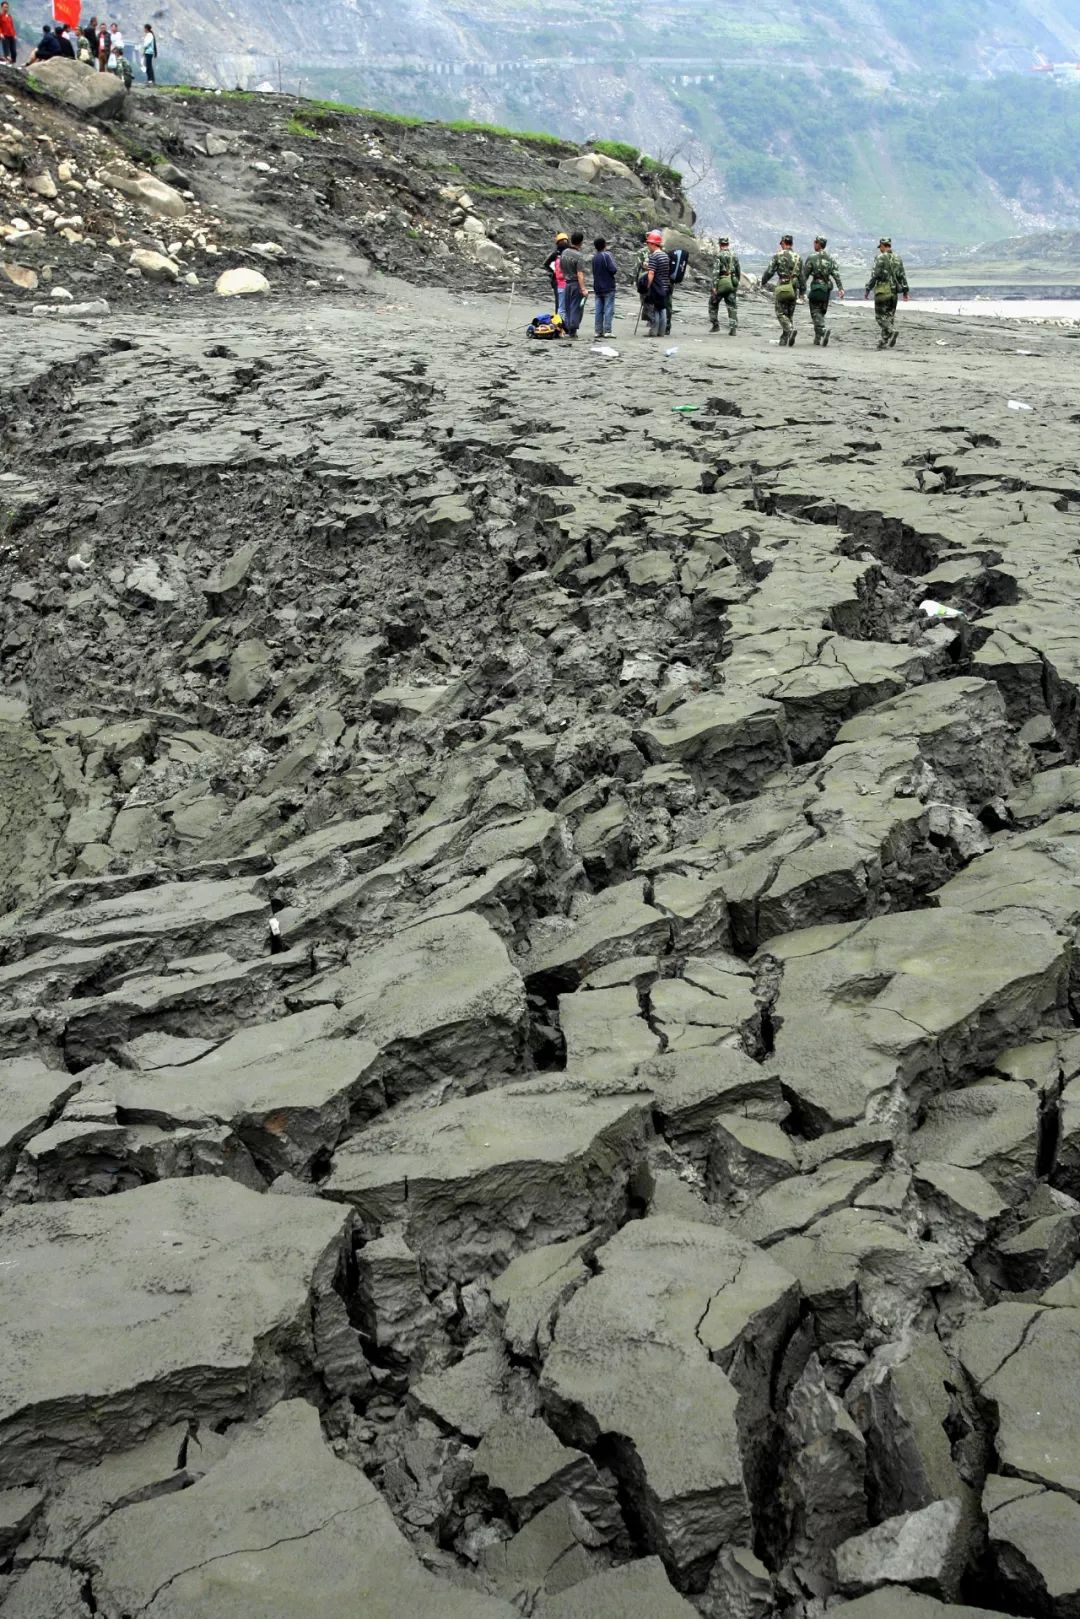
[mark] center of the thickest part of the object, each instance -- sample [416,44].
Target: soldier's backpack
[545,326]
[679,259]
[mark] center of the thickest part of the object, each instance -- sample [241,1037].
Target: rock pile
[537,1044]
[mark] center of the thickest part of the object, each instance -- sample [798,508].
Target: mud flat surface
[539,1069]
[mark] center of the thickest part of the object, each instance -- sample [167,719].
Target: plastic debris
[669,352]
[685,410]
[605,351]
[934,609]
[1017,404]
[77,563]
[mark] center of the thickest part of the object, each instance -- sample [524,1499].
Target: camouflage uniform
[787,267]
[727,268]
[821,273]
[888,279]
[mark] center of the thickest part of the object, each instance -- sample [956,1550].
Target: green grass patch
[621,151]
[464,126]
[404,119]
[296,126]
[661,171]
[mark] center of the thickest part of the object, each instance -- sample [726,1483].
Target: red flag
[67,12]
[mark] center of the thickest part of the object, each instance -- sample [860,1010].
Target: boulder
[100,94]
[154,195]
[155,266]
[241,283]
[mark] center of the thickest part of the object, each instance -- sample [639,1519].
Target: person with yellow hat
[553,266]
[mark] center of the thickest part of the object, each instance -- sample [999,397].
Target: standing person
[86,55]
[657,284]
[786,266]
[727,273]
[90,33]
[63,45]
[149,52]
[553,266]
[821,273]
[8,37]
[888,281]
[103,48]
[604,272]
[573,269]
[116,38]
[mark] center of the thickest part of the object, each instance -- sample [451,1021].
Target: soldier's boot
[714,326]
[732,329]
[817,340]
[826,334]
[892,340]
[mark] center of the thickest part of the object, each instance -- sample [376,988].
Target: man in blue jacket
[603,281]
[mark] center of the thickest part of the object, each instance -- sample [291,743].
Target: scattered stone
[240,283]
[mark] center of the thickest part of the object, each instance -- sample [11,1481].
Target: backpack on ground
[546,326]
[679,259]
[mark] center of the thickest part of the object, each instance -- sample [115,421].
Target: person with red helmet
[654,284]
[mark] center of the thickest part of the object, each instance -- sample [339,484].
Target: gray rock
[222,1326]
[740,1587]
[100,94]
[734,739]
[1034,1545]
[1022,1361]
[533,1287]
[669,1350]
[440,1000]
[481,1179]
[925,1550]
[278,1527]
[911,1002]
[637,1590]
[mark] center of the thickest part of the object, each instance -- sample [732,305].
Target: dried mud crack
[539,1057]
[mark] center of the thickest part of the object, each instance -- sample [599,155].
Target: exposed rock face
[538,1067]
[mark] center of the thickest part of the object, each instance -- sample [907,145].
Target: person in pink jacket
[554,269]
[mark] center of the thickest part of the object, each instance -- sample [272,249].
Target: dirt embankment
[308,194]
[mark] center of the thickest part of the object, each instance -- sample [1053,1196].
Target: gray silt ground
[643,792]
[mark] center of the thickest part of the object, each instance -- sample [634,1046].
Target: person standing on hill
[149,53]
[821,273]
[604,273]
[727,273]
[573,269]
[8,37]
[786,266]
[888,282]
[103,48]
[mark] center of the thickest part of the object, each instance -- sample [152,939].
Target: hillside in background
[946,125]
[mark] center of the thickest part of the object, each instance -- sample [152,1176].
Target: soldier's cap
[786,241]
[725,241]
[886,241]
[821,241]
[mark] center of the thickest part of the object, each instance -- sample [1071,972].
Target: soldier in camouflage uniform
[727,273]
[888,281]
[821,273]
[786,266]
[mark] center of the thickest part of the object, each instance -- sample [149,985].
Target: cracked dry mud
[539,1055]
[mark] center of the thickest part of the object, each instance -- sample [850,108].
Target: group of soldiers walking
[814,279]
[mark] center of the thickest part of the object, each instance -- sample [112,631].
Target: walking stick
[641,311]
[510,306]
